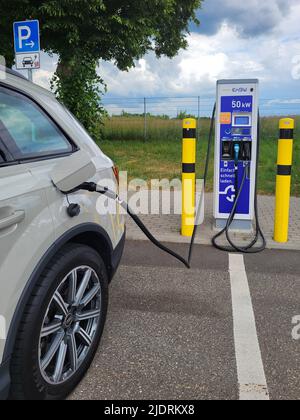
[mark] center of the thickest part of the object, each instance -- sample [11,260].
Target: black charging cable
[205,177]
[92,187]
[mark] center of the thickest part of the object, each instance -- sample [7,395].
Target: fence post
[188,176]
[283,180]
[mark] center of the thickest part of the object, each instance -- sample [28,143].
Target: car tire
[30,380]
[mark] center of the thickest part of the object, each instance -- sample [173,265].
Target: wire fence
[160,118]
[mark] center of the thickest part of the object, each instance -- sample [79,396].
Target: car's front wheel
[61,327]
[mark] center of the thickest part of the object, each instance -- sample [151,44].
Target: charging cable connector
[236,153]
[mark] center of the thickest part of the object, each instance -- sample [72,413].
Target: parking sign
[27,37]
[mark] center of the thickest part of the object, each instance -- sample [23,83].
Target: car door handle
[14,219]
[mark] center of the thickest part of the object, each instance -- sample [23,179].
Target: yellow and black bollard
[283,180]
[188,176]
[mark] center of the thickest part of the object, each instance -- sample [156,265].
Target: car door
[25,230]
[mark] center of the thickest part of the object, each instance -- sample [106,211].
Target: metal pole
[30,75]
[145,119]
[283,180]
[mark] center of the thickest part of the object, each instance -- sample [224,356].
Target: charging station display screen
[242,121]
[237,131]
[241,131]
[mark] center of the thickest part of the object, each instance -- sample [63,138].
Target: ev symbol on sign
[231,197]
[27,37]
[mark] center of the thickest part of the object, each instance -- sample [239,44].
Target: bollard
[283,180]
[188,176]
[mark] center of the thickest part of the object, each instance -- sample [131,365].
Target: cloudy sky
[236,39]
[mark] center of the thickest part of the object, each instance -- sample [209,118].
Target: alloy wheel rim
[70,325]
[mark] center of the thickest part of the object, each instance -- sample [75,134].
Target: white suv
[58,252]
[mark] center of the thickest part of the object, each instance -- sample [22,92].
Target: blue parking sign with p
[27,36]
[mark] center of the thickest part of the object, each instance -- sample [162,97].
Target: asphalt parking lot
[222,330]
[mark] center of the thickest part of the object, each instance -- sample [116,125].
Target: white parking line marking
[251,374]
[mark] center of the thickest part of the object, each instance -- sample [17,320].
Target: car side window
[26,130]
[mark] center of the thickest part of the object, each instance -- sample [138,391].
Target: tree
[82,32]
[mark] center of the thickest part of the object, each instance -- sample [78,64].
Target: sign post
[27,45]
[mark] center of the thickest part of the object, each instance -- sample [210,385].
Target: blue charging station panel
[236,123]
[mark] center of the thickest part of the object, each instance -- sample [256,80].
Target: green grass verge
[160,156]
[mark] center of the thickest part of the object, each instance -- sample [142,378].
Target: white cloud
[251,17]
[225,54]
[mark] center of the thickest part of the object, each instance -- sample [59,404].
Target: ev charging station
[236,143]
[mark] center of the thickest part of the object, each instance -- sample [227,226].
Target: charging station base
[237,225]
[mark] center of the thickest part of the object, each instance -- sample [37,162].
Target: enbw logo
[240,90]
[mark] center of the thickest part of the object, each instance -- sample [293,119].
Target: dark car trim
[4,380]
[115,256]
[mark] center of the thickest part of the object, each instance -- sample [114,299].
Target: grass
[160,156]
